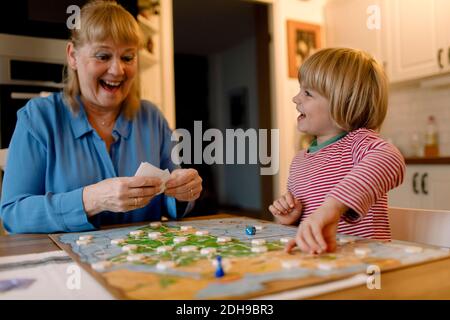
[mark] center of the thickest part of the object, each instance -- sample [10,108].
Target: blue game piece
[219,271]
[250,230]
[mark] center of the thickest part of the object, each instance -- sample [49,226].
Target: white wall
[284,88]
[409,108]
[238,185]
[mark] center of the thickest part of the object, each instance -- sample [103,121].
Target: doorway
[222,79]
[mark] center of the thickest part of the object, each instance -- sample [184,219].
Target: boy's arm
[317,233]
[380,168]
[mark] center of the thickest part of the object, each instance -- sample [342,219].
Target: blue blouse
[54,153]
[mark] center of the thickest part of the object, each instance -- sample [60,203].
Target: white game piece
[202,233]
[83,242]
[101,265]
[164,265]
[86,237]
[186,228]
[135,257]
[290,264]
[362,251]
[207,251]
[413,249]
[189,249]
[179,239]
[259,227]
[258,242]
[129,247]
[223,239]
[155,224]
[285,240]
[326,266]
[136,233]
[117,241]
[259,249]
[154,235]
[345,240]
[163,249]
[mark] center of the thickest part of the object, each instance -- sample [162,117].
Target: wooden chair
[3,154]
[422,226]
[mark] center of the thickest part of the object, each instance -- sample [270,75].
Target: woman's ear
[71,56]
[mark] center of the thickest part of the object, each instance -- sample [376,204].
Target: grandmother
[73,155]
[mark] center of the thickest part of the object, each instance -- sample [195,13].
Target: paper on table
[55,275]
[148,170]
[16,283]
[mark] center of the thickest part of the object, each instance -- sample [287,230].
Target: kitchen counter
[422,160]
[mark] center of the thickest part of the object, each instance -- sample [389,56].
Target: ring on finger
[136,202]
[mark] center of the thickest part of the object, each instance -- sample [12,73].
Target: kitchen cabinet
[443,29]
[424,187]
[417,38]
[347,25]
[413,40]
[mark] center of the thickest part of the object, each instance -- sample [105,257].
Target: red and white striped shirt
[358,170]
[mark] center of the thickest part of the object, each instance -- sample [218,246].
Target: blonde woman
[340,183]
[73,155]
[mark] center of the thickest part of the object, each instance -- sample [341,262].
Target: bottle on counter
[431,148]
[417,148]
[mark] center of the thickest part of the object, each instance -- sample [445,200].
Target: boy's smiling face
[315,118]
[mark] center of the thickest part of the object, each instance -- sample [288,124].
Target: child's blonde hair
[353,82]
[101,21]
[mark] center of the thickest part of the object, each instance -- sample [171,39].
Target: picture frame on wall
[303,40]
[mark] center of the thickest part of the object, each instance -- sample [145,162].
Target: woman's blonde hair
[101,21]
[353,82]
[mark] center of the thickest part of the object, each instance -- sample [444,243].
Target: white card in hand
[148,170]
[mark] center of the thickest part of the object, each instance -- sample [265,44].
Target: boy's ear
[71,56]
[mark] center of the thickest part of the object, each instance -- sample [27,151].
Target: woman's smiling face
[106,72]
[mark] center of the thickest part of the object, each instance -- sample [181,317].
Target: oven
[21,80]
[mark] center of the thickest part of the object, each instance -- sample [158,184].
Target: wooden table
[425,281]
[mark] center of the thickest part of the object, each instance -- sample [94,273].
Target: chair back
[3,154]
[422,226]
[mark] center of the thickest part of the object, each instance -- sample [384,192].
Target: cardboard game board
[176,261]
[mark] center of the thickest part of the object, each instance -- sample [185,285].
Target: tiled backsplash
[409,109]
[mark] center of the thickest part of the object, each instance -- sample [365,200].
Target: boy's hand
[317,233]
[287,209]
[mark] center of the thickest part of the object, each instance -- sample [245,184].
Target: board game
[179,260]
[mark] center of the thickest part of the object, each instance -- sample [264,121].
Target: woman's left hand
[184,185]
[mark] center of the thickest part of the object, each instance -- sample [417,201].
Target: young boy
[340,183]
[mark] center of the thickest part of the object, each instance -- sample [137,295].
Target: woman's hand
[286,209]
[317,233]
[120,194]
[184,185]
